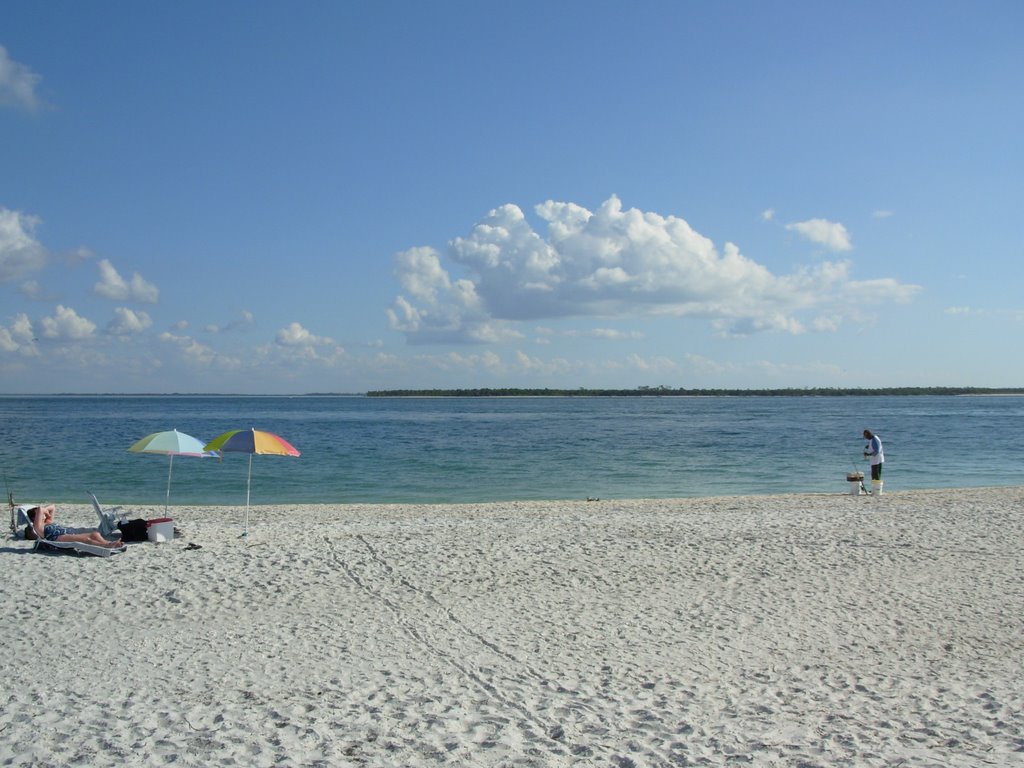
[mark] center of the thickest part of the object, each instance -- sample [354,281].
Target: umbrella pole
[248,483]
[170,468]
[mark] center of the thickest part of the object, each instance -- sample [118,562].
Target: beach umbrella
[251,441]
[170,443]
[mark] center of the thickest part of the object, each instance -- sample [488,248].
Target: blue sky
[335,197]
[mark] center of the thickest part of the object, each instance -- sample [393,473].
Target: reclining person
[42,522]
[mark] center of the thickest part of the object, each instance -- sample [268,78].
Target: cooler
[160,529]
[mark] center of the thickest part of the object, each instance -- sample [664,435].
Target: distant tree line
[664,391]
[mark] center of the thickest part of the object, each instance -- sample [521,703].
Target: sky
[286,198]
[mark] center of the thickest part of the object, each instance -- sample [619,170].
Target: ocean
[452,450]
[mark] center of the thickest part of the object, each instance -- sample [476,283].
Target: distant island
[678,392]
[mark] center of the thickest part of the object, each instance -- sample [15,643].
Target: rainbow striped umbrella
[251,441]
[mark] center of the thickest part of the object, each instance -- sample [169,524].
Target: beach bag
[133,530]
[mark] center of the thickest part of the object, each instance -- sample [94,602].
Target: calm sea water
[442,450]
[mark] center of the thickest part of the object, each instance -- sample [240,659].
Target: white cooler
[161,529]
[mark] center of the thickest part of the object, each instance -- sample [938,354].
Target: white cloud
[127,322]
[199,355]
[7,342]
[749,326]
[826,323]
[830,234]
[245,319]
[20,252]
[708,366]
[453,361]
[294,335]
[171,338]
[17,84]
[21,329]
[881,214]
[449,311]
[767,214]
[609,334]
[19,337]
[66,325]
[535,366]
[656,364]
[879,291]
[611,263]
[113,286]
[295,343]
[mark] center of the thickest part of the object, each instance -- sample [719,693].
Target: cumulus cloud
[608,263]
[199,355]
[294,335]
[245,319]
[767,214]
[830,234]
[7,341]
[112,286]
[20,252]
[449,310]
[296,343]
[536,366]
[17,84]
[19,337]
[66,325]
[127,322]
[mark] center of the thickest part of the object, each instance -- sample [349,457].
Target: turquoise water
[446,450]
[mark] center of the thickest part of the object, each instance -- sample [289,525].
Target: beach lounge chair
[108,518]
[78,547]
[112,522]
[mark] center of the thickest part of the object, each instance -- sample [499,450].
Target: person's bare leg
[93,537]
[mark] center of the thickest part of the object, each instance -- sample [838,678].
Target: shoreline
[821,628]
[150,509]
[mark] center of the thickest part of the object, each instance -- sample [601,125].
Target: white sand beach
[793,630]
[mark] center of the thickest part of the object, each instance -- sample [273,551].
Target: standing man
[873,451]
